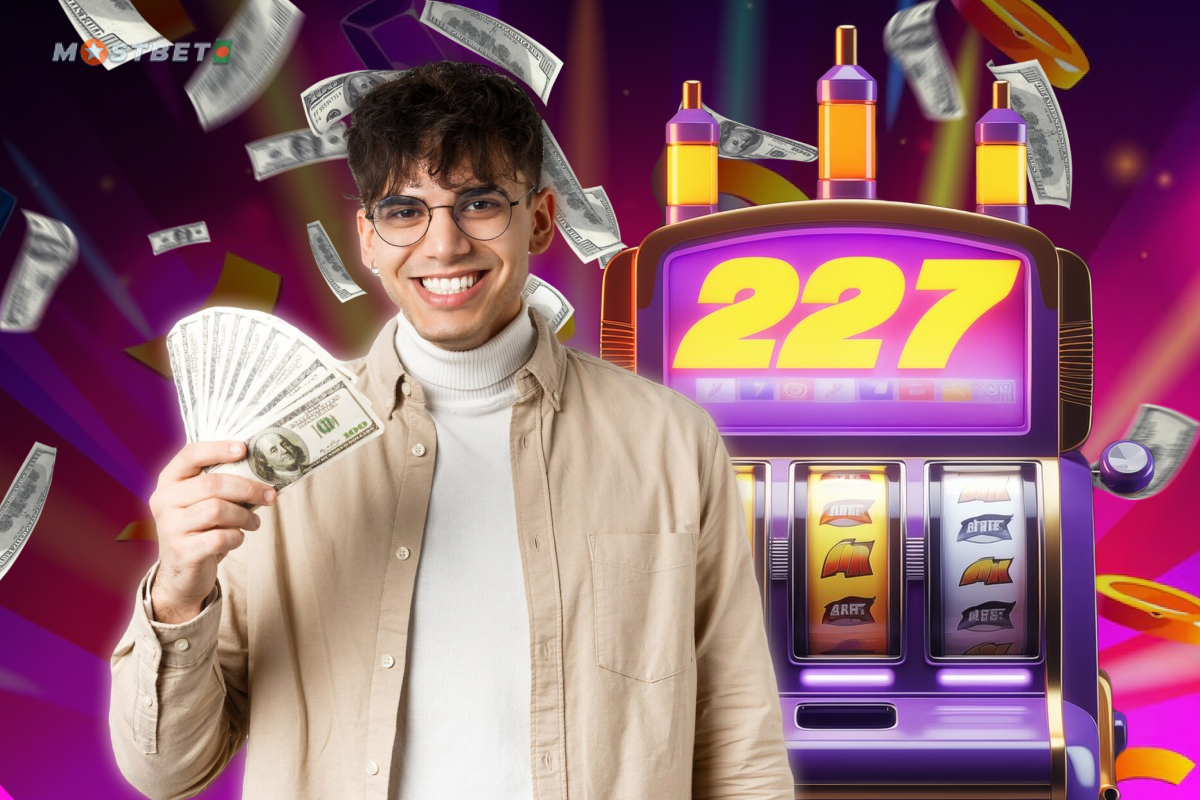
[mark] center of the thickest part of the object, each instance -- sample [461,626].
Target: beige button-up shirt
[651,678]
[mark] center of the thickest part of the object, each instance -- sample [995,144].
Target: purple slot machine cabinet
[903,390]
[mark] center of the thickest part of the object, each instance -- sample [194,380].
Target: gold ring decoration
[1024,31]
[1150,607]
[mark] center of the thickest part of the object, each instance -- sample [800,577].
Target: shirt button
[147,700]
[405,389]
[372,768]
[555,395]
[547,760]
[388,662]
[403,553]
[418,449]
[181,644]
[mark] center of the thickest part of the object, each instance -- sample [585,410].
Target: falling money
[549,302]
[742,141]
[1049,151]
[47,254]
[330,264]
[1169,437]
[263,31]
[162,241]
[117,24]
[499,43]
[911,37]
[590,231]
[23,503]
[285,151]
[333,98]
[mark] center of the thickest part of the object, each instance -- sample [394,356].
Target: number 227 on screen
[822,338]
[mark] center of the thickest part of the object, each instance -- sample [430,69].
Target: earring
[373,267]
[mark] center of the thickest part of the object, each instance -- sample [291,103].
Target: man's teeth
[450,285]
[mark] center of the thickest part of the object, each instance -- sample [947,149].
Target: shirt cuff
[212,596]
[185,643]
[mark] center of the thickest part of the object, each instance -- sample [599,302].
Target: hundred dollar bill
[604,259]
[332,269]
[1169,437]
[306,435]
[285,151]
[589,230]
[169,239]
[550,302]
[499,43]
[47,254]
[333,98]
[1049,153]
[599,200]
[911,37]
[22,504]
[743,141]
[263,32]
[117,24]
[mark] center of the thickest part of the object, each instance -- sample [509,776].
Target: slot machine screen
[852,330]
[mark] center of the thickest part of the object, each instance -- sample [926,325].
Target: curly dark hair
[446,115]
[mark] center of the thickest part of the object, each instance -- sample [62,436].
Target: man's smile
[452,289]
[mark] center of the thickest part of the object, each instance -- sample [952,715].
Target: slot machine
[903,390]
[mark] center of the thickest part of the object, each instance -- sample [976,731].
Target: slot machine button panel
[846,716]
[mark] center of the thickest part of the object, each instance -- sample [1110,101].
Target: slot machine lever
[1126,467]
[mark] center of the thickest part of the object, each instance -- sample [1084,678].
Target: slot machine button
[1126,467]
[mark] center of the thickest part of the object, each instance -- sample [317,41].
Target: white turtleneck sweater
[464,713]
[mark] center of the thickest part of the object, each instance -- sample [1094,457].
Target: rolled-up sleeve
[739,749]
[178,708]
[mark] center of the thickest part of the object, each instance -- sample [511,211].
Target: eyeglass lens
[483,214]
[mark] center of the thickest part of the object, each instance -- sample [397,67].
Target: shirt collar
[546,368]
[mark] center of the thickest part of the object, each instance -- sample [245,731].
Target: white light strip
[973,677]
[847,677]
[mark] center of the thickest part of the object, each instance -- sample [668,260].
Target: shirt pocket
[644,587]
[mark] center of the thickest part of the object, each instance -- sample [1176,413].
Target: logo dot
[222,51]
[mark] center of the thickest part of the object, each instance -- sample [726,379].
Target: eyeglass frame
[431,209]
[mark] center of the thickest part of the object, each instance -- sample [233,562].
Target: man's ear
[366,238]
[541,206]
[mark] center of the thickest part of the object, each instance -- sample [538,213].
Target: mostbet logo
[990,616]
[94,52]
[849,611]
[848,557]
[988,571]
[986,528]
[846,513]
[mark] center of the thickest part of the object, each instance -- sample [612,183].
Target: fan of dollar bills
[251,376]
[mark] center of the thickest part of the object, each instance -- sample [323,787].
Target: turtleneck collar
[478,378]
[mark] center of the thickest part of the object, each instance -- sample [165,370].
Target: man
[535,584]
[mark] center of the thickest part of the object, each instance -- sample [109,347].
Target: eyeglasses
[481,214]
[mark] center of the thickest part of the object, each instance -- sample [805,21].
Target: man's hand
[200,518]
